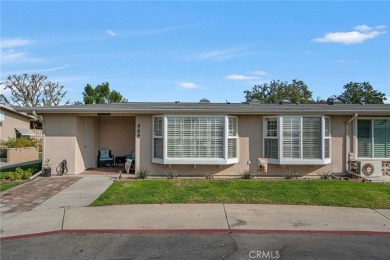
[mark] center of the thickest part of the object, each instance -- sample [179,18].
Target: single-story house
[14,124]
[224,139]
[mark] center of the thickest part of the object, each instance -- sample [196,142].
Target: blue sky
[168,51]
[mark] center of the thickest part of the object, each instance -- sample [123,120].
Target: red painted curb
[147,231]
[333,232]
[198,231]
[30,235]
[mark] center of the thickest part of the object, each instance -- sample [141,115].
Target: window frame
[372,138]
[154,136]
[231,137]
[281,160]
[265,135]
[197,161]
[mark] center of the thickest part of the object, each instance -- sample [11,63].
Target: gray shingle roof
[215,108]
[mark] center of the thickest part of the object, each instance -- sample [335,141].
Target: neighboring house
[14,124]
[224,139]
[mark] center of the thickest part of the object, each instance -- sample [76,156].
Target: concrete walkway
[80,194]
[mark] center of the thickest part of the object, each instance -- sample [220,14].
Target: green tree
[296,92]
[32,91]
[356,93]
[101,94]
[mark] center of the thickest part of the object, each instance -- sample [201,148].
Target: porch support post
[137,144]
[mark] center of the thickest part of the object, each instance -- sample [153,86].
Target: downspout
[347,141]
[40,119]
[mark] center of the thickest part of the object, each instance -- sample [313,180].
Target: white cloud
[49,69]
[111,33]
[11,56]
[360,34]
[260,73]
[342,61]
[148,32]
[362,28]
[254,75]
[213,55]
[239,77]
[12,43]
[380,27]
[220,55]
[188,85]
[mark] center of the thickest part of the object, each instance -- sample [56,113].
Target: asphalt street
[197,246]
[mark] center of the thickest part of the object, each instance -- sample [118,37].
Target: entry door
[88,147]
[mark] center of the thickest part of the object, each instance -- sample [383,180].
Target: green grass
[8,185]
[312,192]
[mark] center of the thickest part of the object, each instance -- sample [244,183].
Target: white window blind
[271,148]
[327,138]
[158,146]
[271,142]
[311,137]
[297,139]
[291,137]
[232,138]
[195,137]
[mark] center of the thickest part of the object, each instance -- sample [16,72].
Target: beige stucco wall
[117,133]
[60,141]
[17,155]
[11,121]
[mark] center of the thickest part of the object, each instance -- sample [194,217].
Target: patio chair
[105,157]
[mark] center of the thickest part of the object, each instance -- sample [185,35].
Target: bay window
[194,139]
[297,139]
[373,138]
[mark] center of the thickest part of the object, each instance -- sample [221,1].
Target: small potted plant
[46,169]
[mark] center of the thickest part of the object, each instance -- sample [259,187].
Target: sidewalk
[197,218]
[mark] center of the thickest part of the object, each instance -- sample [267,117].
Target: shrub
[19,174]
[288,174]
[142,173]
[247,175]
[19,142]
[325,175]
[170,173]
[210,176]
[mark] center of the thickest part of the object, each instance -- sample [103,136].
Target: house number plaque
[138,130]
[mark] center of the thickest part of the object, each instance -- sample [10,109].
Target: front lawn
[8,185]
[311,192]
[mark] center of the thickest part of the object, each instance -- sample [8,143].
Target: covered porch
[104,132]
